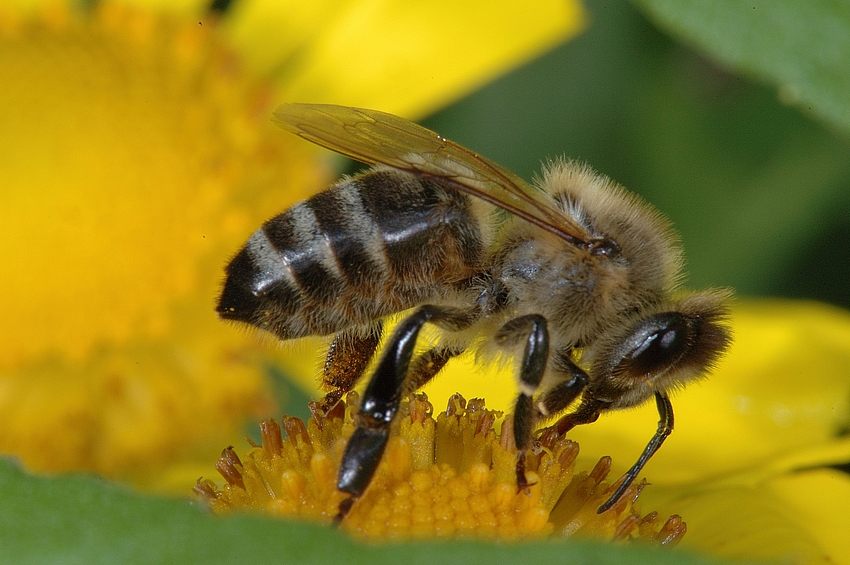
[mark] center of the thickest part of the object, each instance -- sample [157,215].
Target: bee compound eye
[656,344]
[605,246]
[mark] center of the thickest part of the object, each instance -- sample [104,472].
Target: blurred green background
[759,189]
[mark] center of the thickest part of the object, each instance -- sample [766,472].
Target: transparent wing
[374,137]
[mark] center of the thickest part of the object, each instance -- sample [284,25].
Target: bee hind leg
[384,392]
[426,366]
[348,356]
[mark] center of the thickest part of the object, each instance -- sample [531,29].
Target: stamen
[449,476]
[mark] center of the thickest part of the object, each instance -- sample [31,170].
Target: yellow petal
[407,58]
[795,517]
[742,523]
[819,499]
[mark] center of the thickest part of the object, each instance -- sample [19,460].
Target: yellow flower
[137,155]
[755,462]
[446,477]
[758,461]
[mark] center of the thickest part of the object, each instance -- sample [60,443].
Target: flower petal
[820,500]
[740,522]
[406,58]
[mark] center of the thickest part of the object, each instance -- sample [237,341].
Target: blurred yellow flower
[137,155]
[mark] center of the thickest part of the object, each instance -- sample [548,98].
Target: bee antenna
[665,427]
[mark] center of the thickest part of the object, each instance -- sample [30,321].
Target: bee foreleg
[665,428]
[564,393]
[347,359]
[532,367]
[561,396]
[587,412]
[382,396]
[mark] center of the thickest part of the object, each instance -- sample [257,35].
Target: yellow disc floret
[446,477]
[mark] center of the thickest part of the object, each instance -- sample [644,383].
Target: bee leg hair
[348,356]
[381,399]
[426,366]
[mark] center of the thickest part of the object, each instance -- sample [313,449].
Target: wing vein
[374,137]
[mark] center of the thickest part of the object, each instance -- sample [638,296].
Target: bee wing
[374,137]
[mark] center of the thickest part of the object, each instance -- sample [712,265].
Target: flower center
[445,477]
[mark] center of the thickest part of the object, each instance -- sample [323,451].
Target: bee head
[664,350]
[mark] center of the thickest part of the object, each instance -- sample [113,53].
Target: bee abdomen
[370,246]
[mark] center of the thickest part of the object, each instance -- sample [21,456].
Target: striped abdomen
[368,247]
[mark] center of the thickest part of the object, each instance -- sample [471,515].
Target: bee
[576,278]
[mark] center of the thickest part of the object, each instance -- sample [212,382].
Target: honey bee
[575,277]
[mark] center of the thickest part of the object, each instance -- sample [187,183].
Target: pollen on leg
[449,476]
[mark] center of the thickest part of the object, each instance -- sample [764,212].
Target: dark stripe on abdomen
[429,232]
[348,230]
[301,247]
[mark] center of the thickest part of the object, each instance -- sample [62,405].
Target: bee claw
[343,510]
[522,484]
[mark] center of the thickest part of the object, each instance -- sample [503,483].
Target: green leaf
[81,519]
[802,46]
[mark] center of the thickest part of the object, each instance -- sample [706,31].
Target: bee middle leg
[534,329]
[383,394]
